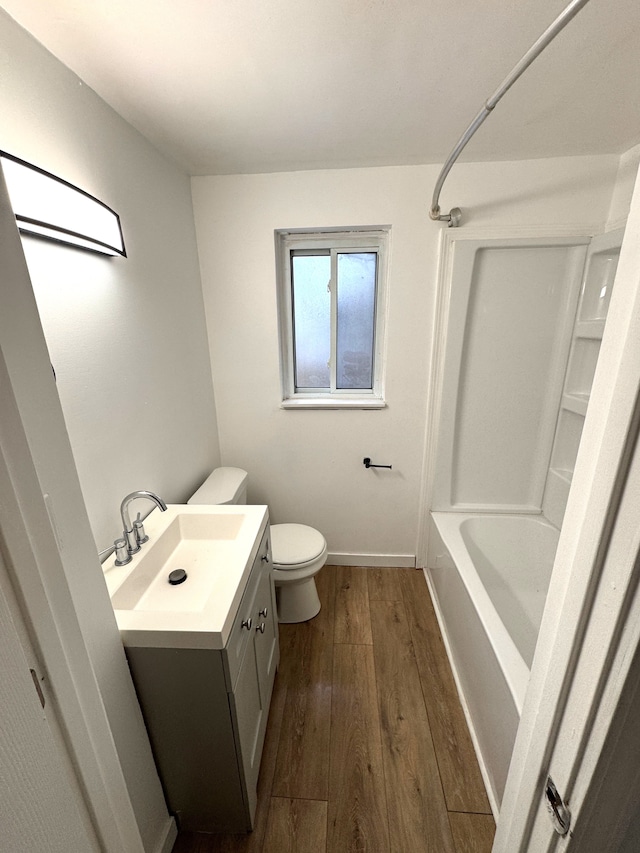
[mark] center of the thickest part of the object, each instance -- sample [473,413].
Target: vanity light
[50,207]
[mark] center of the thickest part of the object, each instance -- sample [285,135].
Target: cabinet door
[246,704]
[266,636]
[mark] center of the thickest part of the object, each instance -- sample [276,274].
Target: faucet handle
[122,552]
[132,542]
[138,529]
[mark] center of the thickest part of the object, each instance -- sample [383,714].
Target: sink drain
[177,576]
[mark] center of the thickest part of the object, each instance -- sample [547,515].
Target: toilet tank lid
[222,486]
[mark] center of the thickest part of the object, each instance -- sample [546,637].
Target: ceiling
[239,86]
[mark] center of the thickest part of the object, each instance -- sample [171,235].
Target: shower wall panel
[511,312]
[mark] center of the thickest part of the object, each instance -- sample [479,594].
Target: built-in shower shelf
[576,403]
[589,329]
[600,270]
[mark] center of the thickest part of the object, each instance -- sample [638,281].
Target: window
[331,301]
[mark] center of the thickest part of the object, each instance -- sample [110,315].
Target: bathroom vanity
[203,660]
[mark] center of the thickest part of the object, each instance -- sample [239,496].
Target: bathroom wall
[128,341]
[127,336]
[308,464]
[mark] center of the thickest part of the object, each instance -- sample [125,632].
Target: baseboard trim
[375,561]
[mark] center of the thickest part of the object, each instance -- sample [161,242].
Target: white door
[582,699]
[41,807]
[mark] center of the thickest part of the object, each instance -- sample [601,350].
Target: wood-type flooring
[367,749]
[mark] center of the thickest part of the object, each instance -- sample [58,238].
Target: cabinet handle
[264,612]
[261,627]
[247,623]
[265,557]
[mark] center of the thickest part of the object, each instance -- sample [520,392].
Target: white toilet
[298,551]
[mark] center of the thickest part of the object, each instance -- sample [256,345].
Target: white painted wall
[127,337]
[129,345]
[308,465]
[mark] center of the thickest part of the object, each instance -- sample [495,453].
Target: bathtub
[489,575]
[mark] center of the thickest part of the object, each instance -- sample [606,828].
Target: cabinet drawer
[245,622]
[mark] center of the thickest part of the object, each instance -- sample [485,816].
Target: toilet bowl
[298,551]
[298,554]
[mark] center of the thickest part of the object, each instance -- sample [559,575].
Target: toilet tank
[222,486]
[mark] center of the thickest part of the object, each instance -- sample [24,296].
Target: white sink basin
[215,546]
[202,544]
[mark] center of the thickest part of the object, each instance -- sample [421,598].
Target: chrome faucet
[134,533]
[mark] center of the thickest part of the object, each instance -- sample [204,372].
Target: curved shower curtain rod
[455,214]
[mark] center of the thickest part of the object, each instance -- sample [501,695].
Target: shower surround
[521,330]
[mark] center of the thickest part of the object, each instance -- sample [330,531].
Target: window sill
[333,403]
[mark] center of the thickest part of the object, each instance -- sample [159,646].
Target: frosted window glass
[311,320]
[356,319]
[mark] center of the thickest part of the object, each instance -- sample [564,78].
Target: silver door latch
[558,811]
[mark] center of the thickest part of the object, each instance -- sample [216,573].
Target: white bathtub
[489,576]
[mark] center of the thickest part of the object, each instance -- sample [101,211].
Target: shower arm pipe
[455,215]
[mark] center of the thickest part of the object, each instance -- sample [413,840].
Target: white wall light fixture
[49,207]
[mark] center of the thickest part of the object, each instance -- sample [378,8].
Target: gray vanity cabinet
[251,696]
[206,711]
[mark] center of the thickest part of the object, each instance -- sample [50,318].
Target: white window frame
[337,240]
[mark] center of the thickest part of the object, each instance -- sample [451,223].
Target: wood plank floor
[367,749]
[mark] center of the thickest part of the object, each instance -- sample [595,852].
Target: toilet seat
[298,553]
[296,546]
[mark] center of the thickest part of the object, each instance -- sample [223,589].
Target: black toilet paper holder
[369,464]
